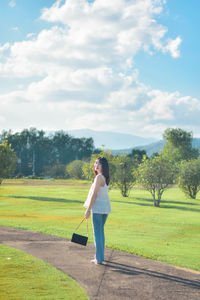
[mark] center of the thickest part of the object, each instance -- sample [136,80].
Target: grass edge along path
[23,277]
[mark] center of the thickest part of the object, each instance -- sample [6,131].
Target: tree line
[178,163]
[37,152]
[64,157]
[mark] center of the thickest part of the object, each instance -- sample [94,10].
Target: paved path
[123,276]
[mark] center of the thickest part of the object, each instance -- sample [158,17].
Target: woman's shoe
[94,261]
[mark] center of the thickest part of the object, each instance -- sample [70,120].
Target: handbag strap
[81,223]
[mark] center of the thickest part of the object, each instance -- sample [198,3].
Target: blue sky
[181,18]
[125,66]
[21,17]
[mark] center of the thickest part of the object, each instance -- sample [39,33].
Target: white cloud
[132,107]
[31,34]
[123,27]
[95,34]
[173,47]
[2,119]
[4,48]
[15,28]
[12,3]
[82,70]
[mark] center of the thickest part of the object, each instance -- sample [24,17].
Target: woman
[98,201]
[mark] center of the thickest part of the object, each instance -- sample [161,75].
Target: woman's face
[97,166]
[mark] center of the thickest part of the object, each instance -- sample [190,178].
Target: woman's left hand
[87,214]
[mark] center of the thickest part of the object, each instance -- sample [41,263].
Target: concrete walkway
[123,276]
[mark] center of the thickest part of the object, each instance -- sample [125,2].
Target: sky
[129,66]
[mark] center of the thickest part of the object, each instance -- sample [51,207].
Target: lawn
[170,233]
[25,277]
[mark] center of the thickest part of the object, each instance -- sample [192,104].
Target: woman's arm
[97,185]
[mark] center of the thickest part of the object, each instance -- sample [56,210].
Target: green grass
[170,233]
[24,277]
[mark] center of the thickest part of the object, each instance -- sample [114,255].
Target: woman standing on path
[98,201]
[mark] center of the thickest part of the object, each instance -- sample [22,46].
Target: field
[170,233]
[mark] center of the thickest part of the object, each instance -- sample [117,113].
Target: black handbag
[80,239]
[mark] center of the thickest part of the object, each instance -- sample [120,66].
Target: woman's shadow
[134,271]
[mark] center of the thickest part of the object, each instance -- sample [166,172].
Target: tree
[62,148]
[36,152]
[124,177]
[88,170]
[155,175]
[75,169]
[178,145]
[33,149]
[8,160]
[138,155]
[189,177]
[84,148]
[155,154]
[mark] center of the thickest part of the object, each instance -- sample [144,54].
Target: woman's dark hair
[105,168]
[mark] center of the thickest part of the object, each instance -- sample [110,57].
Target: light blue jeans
[98,221]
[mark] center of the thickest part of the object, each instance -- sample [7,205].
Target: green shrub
[75,169]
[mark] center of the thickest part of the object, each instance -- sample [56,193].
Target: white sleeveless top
[102,201]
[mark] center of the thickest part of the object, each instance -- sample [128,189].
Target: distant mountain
[154,147]
[121,143]
[150,148]
[112,140]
